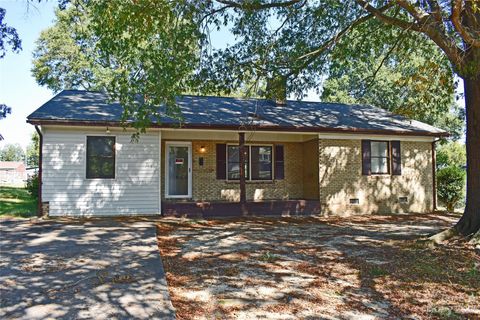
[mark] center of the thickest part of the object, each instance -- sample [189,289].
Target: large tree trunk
[469,223]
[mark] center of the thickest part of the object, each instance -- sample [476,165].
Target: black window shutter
[396,158]
[279,162]
[366,160]
[221,161]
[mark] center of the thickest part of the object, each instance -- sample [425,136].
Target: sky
[18,88]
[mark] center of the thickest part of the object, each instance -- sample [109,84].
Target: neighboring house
[12,172]
[302,157]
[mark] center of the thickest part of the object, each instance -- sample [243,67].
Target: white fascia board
[361,136]
[219,134]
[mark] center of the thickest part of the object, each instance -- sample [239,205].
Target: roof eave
[240,128]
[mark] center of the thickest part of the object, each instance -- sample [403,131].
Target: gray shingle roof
[203,111]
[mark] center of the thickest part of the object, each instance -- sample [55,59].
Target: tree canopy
[406,74]
[65,56]
[383,67]
[8,36]
[33,151]
[451,154]
[12,152]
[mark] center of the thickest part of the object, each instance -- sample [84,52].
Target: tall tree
[4,110]
[65,55]
[33,151]
[143,63]
[8,38]
[12,152]
[454,26]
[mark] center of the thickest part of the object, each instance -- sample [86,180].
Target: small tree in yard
[33,150]
[451,184]
[32,185]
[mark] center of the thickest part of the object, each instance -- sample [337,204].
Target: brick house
[299,158]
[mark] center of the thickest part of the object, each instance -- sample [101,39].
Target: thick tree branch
[457,8]
[448,45]
[312,55]
[213,12]
[435,10]
[416,12]
[386,18]
[250,5]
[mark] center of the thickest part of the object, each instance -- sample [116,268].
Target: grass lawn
[318,268]
[17,202]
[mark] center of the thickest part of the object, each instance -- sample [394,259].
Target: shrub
[450,186]
[32,185]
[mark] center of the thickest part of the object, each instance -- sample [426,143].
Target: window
[354,201]
[258,162]
[379,157]
[261,162]
[100,157]
[233,162]
[403,200]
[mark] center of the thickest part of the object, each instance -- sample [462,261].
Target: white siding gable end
[134,191]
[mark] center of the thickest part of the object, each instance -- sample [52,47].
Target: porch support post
[243,196]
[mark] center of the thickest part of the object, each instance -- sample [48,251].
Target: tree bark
[469,223]
[243,196]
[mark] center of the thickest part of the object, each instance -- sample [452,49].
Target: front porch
[202,174]
[201,209]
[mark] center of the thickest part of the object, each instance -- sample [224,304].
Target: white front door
[178,170]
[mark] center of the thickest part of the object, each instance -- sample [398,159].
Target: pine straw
[301,267]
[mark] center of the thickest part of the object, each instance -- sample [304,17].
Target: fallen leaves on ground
[299,267]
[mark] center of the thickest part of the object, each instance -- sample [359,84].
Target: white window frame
[250,161]
[388,157]
[167,158]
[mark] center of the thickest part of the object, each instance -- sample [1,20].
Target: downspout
[434,175]
[40,160]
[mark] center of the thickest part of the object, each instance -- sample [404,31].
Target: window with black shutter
[259,162]
[396,158]
[221,161]
[366,154]
[279,162]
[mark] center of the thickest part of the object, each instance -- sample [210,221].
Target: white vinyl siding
[134,191]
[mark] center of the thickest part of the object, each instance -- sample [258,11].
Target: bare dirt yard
[318,268]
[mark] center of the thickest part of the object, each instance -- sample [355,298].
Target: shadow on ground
[317,268]
[95,269]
